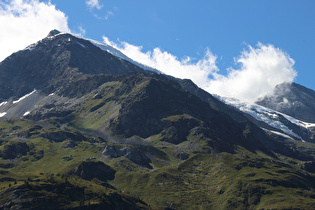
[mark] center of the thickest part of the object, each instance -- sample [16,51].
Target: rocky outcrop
[90,170]
[14,150]
[177,131]
[134,154]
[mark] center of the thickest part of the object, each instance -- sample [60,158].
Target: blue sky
[193,28]
[187,28]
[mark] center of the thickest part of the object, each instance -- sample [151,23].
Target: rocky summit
[292,99]
[82,128]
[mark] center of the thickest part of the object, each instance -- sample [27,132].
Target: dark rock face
[292,99]
[309,166]
[142,113]
[14,150]
[176,132]
[55,62]
[213,102]
[90,170]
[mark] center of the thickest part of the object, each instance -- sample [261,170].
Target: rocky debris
[90,170]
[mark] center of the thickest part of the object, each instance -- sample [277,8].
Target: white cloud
[170,64]
[261,69]
[24,22]
[82,31]
[108,14]
[94,4]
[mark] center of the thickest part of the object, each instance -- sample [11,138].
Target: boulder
[89,170]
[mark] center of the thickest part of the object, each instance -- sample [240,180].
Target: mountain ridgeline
[89,129]
[53,63]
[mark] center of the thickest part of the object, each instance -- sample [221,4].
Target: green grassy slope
[182,156]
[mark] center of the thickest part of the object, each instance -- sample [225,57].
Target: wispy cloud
[261,69]
[81,31]
[108,14]
[94,4]
[24,22]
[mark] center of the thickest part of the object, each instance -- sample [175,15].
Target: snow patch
[26,113]
[279,134]
[81,45]
[298,122]
[2,114]
[3,103]
[31,47]
[54,36]
[263,114]
[23,97]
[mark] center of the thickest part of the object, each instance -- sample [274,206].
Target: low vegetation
[114,150]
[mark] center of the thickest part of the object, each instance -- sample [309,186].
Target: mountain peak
[53,33]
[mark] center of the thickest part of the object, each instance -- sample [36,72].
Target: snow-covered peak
[279,121]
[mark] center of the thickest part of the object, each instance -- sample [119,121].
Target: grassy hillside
[139,142]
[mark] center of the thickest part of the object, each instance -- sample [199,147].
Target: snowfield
[268,116]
